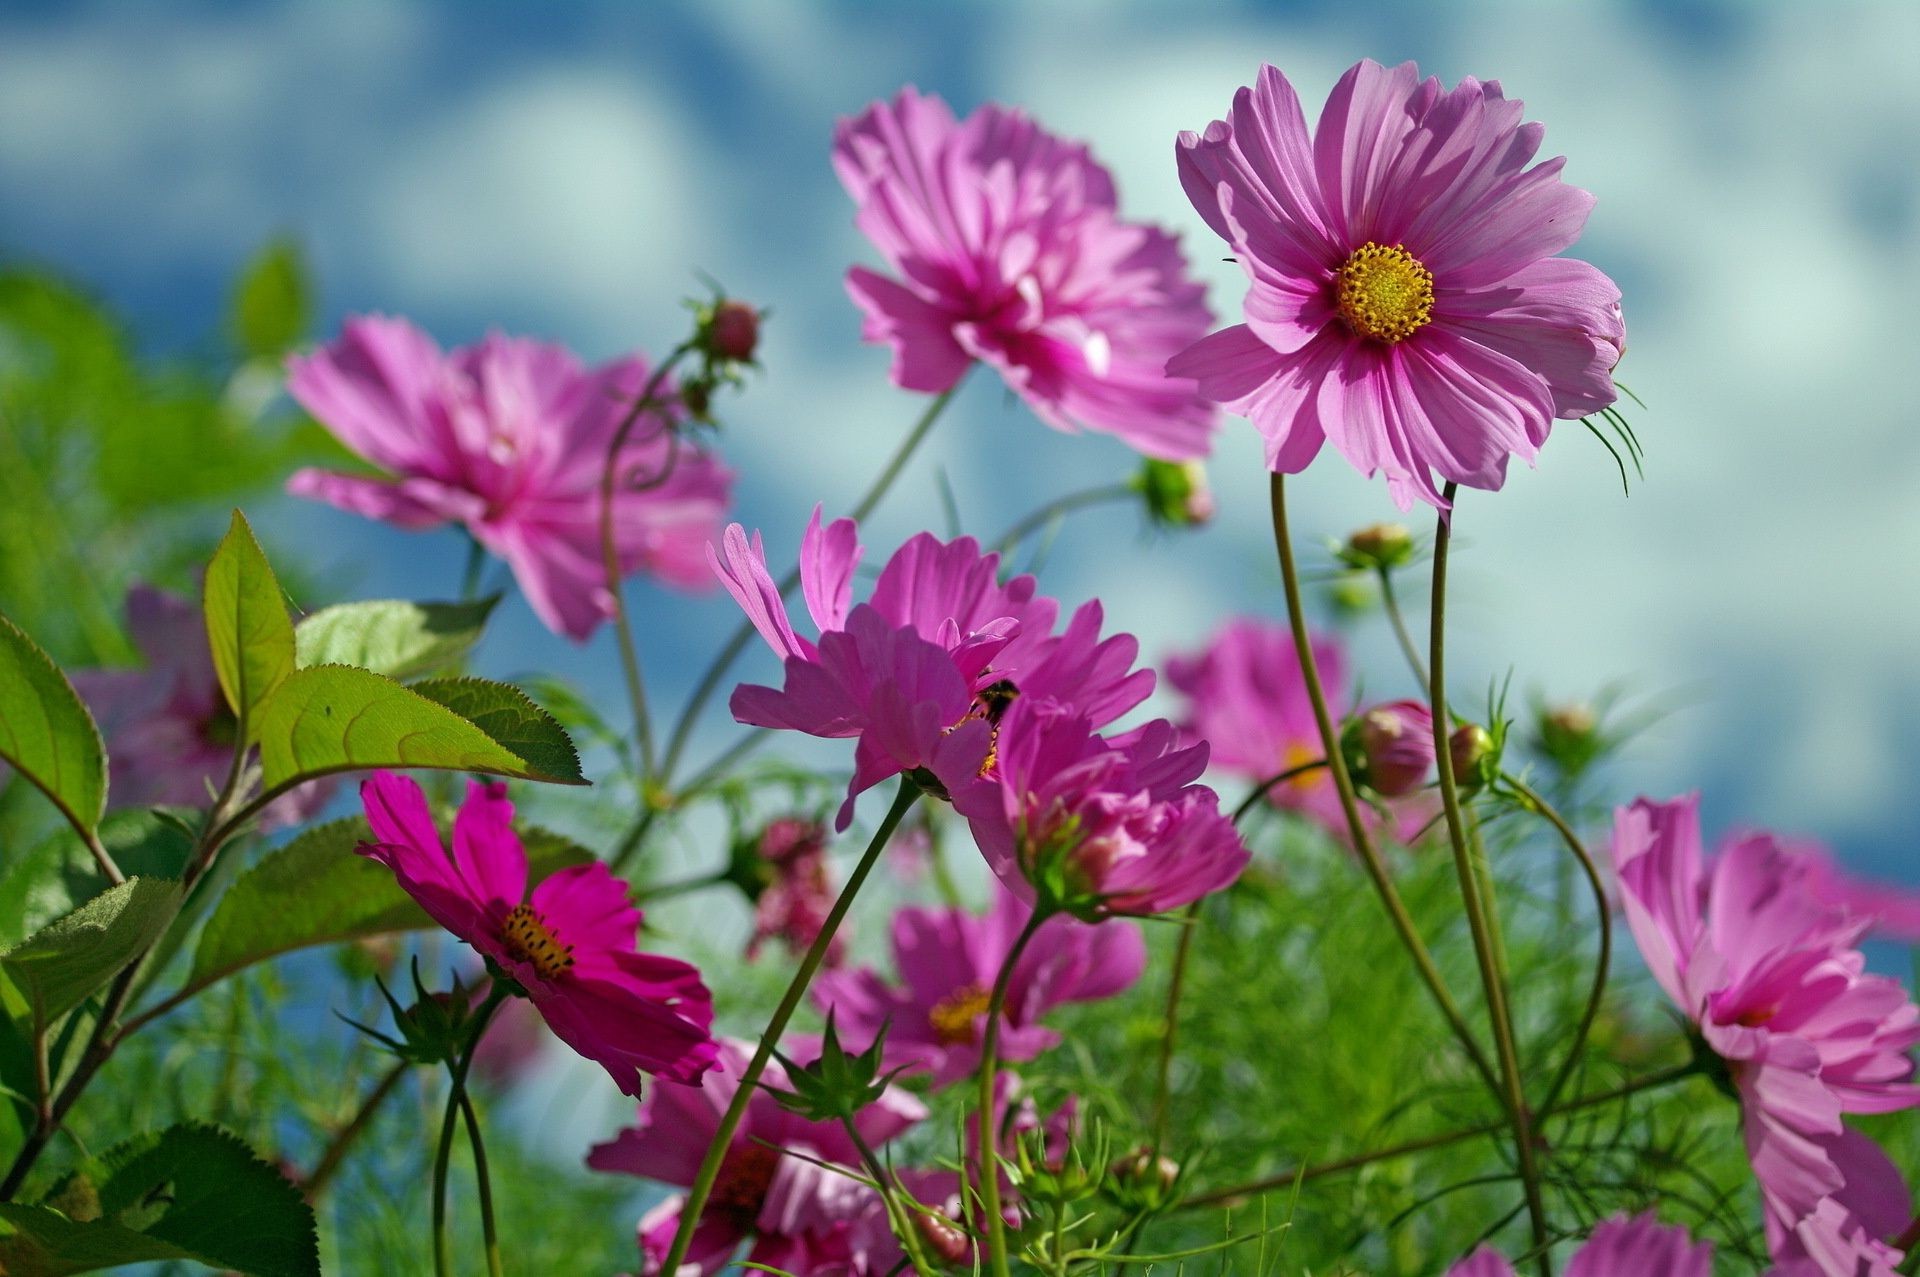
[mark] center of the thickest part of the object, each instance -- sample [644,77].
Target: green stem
[1400,632]
[1597,993]
[1266,786]
[476,563]
[1060,507]
[897,1215]
[489,1232]
[456,1094]
[989,1129]
[702,1187]
[1349,803]
[1511,1088]
[336,1152]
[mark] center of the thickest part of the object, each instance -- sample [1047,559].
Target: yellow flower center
[1298,755]
[1384,293]
[530,939]
[955,1018]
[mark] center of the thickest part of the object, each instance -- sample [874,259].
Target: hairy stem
[1349,804]
[1511,1088]
[989,1129]
[702,1186]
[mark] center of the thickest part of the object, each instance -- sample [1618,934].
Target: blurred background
[564,171]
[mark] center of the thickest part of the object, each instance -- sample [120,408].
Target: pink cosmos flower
[793,907]
[1404,300]
[1099,827]
[927,665]
[508,438]
[948,960]
[1619,1247]
[570,944]
[1892,911]
[167,727]
[1769,977]
[803,1217]
[1007,247]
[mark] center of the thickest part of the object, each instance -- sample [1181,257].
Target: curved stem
[1605,957]
[610,554]
[336,1152]
[1349,804]
[1510,1089]
[736,643]
[456,1095]
[702,1186]
[1176,984]
[1400,632]
[1266,786]
[989,1129]
[489,1232]
[897,1215]
[1055,509]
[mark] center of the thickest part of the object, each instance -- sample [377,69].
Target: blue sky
[563,171]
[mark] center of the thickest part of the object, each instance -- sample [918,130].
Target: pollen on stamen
[954,1019]
[530,939]
[1384,292]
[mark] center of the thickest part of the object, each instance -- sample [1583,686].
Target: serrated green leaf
[316,890]
[334,718]
[509,716]
[59,965]
[247,623]
[58,874]
[193,1192]
[272,304]
[47,733]
[394,637]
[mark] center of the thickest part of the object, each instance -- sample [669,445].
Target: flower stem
[489,1232]
[1511,1089]
[1605,914]
[456,1096]
[702,1187]
[1401,634]
[476,562]
[989,1129]
[336,1152]
[1055,509]
[898,1216]
[1349,804]
[610,554]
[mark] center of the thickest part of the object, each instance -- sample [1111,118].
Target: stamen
[955,1018]
[531,940]
[1384,292]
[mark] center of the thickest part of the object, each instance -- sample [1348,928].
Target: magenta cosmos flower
[569,945]
[1007,247]
[1404,300]
[1619,1247]
[798,892]
[1098,827]
[803,1217]
[1770,980]
[927,665]
[167,727]
[508,439]
[948,960]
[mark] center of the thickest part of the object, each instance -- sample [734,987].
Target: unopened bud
[696,396]
[1143,1165]
[1473,753]
[1396,747]
[733,332]
[1569,735]
[1377,547]
[1176,492]
[942,1236]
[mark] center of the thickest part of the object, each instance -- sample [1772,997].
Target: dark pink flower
[1404,302]
[1396,743]
[569,944]
[167,727]
[948,960]
[1099,827]
[926,665]
[794,904]
[1619,1247]
[508,438]
[1007,247]
[803,1217]
[1769,977]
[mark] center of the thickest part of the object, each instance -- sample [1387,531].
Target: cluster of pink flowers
[793,906]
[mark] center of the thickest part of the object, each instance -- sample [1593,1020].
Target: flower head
[795,894]
[929,663]
[168,729]
[1769,977]
[509,438]
[803,1216]
[1098,827]
[1395,743]
[1008,247]
[569,943]
[1404,298]
[1620,1247]
[948,960]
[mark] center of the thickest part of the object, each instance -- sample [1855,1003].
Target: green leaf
[272,303]
[59,874]
[316,890]
[247,623]
[391,636]
[59,965]
[194,1192]
[47,733]
[334,718]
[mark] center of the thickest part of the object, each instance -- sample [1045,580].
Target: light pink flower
[803,1217]
[1619,1247]
[1099,827]
[1769,977]
[570,944]
[794,904]
[948,960]
[929,662]
[1007,247]
[508,438]
[1404,300]
[1891,910]
[168,730]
